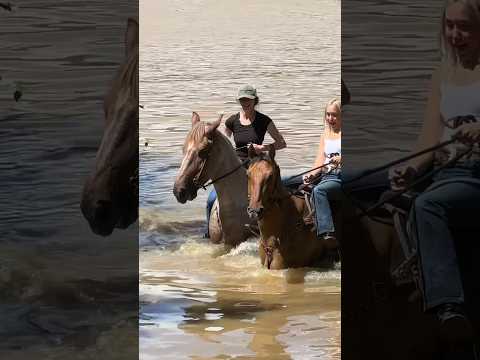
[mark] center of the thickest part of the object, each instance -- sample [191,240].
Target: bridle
[197,177]
[272,200]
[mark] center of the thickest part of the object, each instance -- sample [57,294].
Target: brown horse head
[193,170]
[110,194]
[263,182]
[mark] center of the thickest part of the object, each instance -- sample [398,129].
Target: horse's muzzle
[101,216]
[184,193]
[255,213]
[180,194]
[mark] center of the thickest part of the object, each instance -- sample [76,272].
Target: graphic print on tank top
[459,105]
[332,147]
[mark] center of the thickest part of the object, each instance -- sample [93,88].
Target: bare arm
[279,141]
[430,134]
[431,131]
[320,159]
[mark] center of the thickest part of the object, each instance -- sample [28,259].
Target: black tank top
[245,134]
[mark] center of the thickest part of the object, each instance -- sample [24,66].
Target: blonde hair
[473,10]
[338,105]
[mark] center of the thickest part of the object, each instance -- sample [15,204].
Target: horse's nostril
[180,193]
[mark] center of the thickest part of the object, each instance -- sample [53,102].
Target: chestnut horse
[208,154]
[285,240]
[110,194]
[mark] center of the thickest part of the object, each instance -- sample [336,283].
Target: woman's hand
[258,148]
[402,176]
[308,178]
[336,160]
[468,133]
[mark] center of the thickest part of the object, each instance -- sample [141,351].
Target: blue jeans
[449,203]
[328,189]
[210,201]
[368,189]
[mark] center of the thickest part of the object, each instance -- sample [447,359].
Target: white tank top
[331,148]
[458,100]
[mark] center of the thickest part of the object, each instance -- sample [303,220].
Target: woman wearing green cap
[248,126]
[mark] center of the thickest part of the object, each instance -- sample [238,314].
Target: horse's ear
[251,152]
[213,126]
[195,118]
[271,152]
[131,36]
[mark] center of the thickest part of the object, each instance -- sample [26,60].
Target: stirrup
[309,218]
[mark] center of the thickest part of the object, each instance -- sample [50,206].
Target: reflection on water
[196,301]
[229,305]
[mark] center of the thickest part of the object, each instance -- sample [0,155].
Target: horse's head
[194,170]
[263,180]
[110,194]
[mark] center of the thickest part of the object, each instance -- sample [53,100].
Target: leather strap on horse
[398,161]
[379,204]
[315,168]
[213,181]
[200,172]
[419,180]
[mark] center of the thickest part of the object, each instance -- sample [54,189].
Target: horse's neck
[281,216]
[232,189]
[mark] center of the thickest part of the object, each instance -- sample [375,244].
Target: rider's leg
[436,211]
[327,190]
[367,189]
[210,201]
[292,182]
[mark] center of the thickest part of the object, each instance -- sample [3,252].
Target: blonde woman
[453,199]
[329,185]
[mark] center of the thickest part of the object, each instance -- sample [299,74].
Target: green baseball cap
[247,91]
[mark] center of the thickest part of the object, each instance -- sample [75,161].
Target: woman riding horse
[248,127]
[453,200]
[327,178]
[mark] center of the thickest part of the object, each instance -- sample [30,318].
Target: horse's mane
[198,131]
[266,157]
[126,80]
[262,157]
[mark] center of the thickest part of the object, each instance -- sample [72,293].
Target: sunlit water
[196,301]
